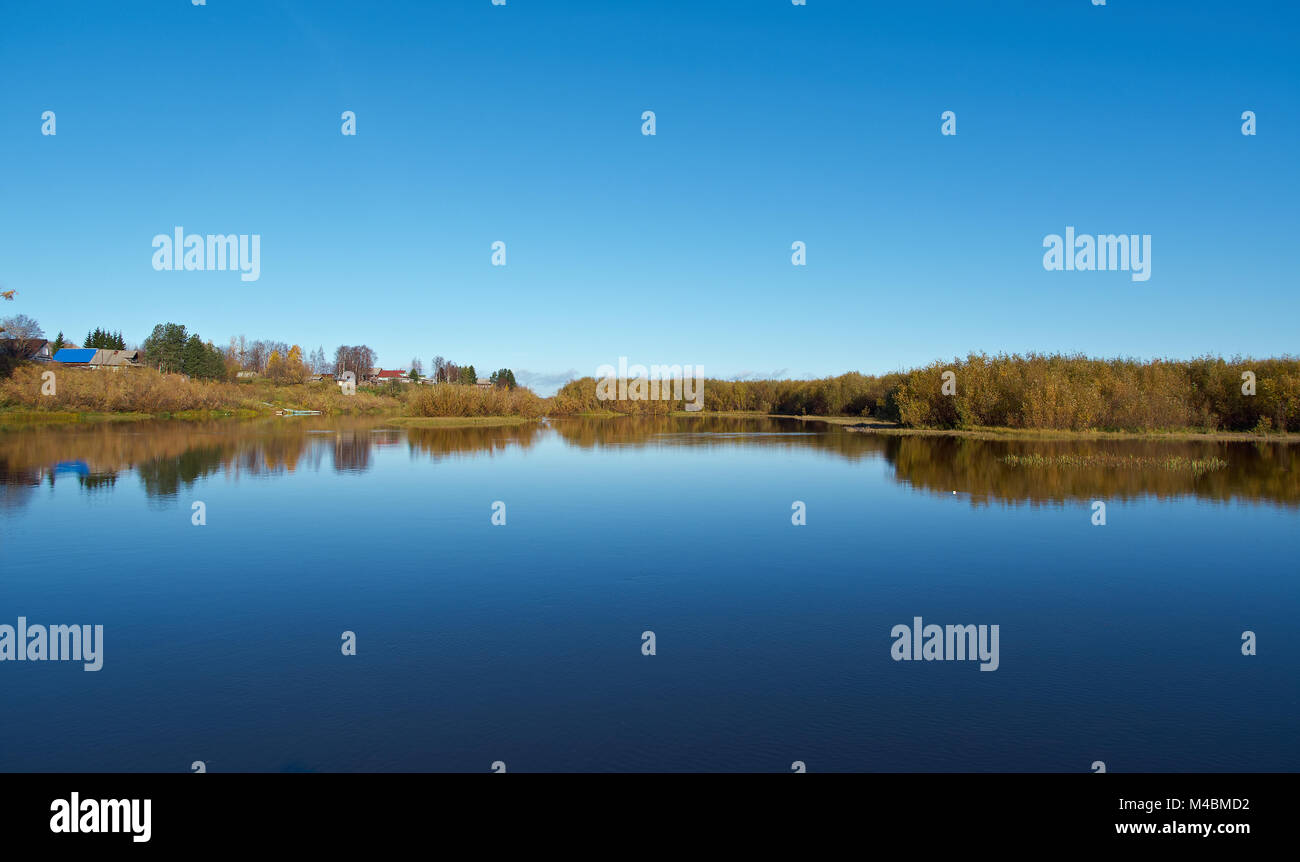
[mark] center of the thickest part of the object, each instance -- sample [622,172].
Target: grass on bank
[146,391]
[84,395]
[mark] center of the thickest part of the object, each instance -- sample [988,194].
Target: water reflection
[980,469]
[169,457]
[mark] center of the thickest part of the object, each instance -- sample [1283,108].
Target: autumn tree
[295,371]
[275,366]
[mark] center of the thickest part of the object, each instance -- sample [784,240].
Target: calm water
[522,643]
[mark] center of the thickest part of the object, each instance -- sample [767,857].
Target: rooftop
[78,355]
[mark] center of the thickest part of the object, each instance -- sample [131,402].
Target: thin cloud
[778,374]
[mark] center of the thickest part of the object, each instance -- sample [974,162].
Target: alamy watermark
[53,643]
[1124,252]
[946,643]
[129,816]
[655,383]
[181,251]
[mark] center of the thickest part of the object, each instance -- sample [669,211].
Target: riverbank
[458,421]
[23,418]
[17,418]
[34,396]
[26,419]
[866,425]
[1184,436]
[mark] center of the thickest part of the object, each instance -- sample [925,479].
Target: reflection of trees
[96,481]
[17,483]
[170,455]
[163,477]
[352,451]
[166,455]
[439,443]
[1255,471]
[716,432]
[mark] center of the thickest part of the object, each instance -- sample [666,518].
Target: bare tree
[359,360]
[256,355]
[21,326]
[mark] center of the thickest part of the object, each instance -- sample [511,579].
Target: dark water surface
[523,643]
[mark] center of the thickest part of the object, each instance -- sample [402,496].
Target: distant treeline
[1030,392]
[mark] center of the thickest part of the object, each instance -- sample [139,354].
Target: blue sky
[775,123]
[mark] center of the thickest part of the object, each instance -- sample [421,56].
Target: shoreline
[867,425]
[459,421]
[14,419]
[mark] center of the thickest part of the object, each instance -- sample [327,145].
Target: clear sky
[775,123]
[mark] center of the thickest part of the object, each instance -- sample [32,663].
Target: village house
[27,349]
[385,376]
[98,357]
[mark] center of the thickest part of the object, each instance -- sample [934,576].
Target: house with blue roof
[98,357]
[76,355]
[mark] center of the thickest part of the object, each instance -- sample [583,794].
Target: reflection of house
[98,357]
[30,349]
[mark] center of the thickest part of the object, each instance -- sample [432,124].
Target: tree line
[101,338]
[1033,391]
[170,348]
